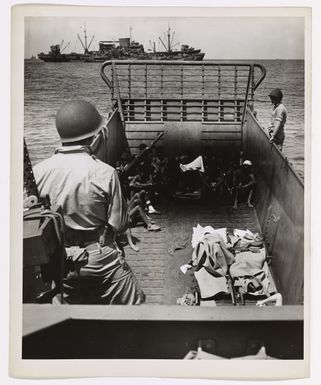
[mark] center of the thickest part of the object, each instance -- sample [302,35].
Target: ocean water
[49,85]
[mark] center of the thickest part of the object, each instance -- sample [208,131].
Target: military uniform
[88,194]
[279,114]
[278,118]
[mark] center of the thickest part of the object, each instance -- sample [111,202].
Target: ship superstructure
[125,49]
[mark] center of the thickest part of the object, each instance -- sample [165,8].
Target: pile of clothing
[200,354]
[231,263]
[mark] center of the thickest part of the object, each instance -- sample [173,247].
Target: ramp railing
[179,91]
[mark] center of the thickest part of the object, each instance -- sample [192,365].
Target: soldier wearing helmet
[278,119]
[88,194]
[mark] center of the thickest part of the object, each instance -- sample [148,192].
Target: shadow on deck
[157,264]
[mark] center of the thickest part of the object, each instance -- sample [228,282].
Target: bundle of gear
[231,264]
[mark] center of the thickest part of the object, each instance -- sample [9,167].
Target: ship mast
[172,39]
[153,45]
[130,34]
[160,39]
[169,38]
[85,46]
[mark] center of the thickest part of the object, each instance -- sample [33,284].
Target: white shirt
[279,113]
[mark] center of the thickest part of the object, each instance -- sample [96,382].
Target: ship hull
[177,56]
[146,56]
[54,58]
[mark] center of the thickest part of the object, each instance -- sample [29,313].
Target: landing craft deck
[207,109]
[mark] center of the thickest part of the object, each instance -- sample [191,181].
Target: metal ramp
[159,96]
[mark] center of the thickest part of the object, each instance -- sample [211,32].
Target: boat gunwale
[33,322]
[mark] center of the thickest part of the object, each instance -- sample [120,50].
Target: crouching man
[88,194]
[243,184]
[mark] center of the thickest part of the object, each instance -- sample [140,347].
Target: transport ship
[124,49]
[55,55]
[195,106]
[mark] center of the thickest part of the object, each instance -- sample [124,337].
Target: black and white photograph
[163,209]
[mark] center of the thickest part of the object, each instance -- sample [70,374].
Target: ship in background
[123,49]
[169,53]
[55,54]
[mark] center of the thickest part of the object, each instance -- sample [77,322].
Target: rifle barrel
[133,163]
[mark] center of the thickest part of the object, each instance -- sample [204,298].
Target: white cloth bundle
[195,165]
[199,232]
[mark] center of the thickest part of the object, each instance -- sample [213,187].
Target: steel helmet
[77,120]
[247,163]
[276,94]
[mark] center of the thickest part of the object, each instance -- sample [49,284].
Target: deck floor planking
[157,265]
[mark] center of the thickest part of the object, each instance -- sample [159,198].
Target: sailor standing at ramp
[278,118]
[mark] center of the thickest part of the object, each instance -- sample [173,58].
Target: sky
[219,37]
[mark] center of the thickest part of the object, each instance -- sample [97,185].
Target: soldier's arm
[117,210]
[277,125]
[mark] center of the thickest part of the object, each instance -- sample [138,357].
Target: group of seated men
[215,175]
[230,174]
[156,175]
[142,186]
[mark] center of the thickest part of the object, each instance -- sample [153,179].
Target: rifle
[139,157]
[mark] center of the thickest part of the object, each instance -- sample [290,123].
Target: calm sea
[48,85]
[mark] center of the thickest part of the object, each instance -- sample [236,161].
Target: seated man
[136,204]
[155,161]
[136,211]
[217,175]
[162,176]
[141,183]
[233,163]
[190,180]
[243,184]
[213,176]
